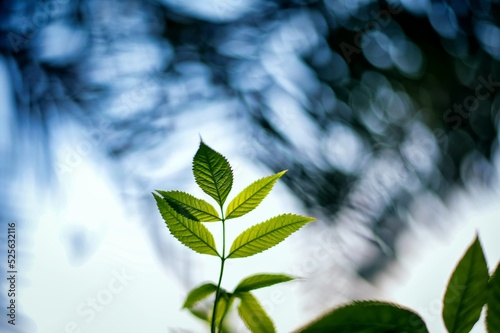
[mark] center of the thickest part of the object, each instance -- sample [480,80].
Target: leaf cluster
[185,214]
[249,308]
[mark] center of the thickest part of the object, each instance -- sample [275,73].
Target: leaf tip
[477,241]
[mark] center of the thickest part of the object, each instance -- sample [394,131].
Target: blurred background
[385,113]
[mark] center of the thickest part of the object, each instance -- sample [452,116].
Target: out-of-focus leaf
[223,304]
[254,315]
[467,291]
[199,293]
[260,281]
[493,310]
[367,317]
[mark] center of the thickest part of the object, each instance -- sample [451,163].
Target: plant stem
[223,260]
[217,296]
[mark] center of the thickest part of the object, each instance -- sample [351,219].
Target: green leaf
[198,294]
[248,199]
[191,233]
[467,291]
[254,315]
[367,317]
[212,173]
[260,281]
[267,234]
[190,206]
[223,304]
[203,314]
[493,310]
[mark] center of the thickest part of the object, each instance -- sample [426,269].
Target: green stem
[223,260]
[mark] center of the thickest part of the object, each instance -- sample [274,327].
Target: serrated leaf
[260,281]
[254,315]
[248,199]
[191,233]
[267,234]
[190,206]
[212,173]
[493,309]
[367,317]
[199,293]
[467,291]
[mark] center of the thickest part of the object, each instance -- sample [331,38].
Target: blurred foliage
[370,104]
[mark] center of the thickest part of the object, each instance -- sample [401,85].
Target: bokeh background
[385,113]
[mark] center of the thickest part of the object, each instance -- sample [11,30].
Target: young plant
[185,214]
